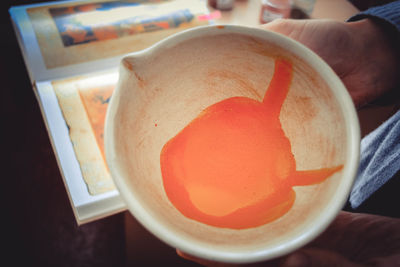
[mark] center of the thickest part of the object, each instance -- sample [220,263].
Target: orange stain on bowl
[232,166]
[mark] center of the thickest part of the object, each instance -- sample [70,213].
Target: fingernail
[183,255]
[297,259]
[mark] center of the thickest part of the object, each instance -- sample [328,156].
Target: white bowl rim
[321,223]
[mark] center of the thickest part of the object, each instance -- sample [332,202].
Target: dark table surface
[39,225]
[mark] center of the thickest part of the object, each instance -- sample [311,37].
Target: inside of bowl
[162,91]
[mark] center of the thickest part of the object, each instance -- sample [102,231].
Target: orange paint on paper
[232,166]
[95,100]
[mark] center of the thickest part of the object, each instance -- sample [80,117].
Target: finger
[313,257]
[283,26]
[202,261]
[271,263]
[348,232]
[393,260]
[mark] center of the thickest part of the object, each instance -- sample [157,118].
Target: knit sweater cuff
[389,13]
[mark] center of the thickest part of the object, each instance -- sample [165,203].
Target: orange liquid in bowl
[232,166]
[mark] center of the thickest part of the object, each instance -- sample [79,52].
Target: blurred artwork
[111,20]
[83,102]
[78,32]
[95,101]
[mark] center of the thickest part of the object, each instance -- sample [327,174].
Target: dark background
[39,228]
[38,225]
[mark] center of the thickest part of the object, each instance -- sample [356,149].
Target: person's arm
[363,53]
[387,18]
[388,14]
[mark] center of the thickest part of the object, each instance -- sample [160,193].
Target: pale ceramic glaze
[163,88]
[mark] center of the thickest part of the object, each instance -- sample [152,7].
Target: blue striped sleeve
[389,13]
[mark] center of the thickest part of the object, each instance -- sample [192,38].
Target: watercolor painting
[96,101]
[77,32]
[101,21]
[84,102]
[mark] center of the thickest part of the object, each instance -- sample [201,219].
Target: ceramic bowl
[163,88]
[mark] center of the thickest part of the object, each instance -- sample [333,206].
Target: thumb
[315,257]
[287,27]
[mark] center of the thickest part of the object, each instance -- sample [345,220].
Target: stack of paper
[72,51]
